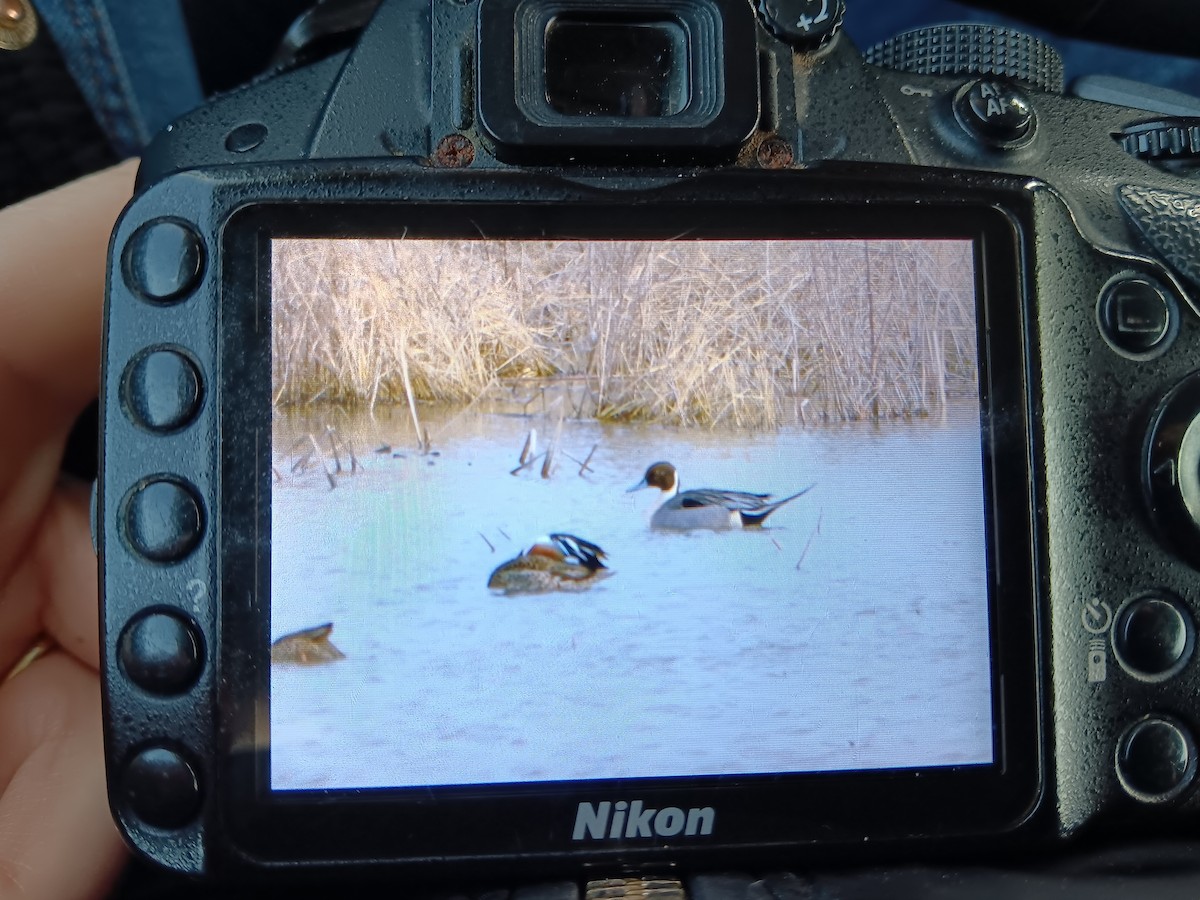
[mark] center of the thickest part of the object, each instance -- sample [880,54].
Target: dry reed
[752,335]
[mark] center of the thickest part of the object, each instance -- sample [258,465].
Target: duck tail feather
[801,493]
[757,517]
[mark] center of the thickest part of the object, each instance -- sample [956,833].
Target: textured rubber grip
[968,49]
[1170,223]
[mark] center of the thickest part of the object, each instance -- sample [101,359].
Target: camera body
[1056,696]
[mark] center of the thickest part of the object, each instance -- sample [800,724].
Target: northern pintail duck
[307,647]
[706,507]
[560,562]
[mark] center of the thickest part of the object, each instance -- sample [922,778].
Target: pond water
[851,633]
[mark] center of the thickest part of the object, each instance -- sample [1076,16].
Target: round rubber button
[161,390]
[163,520]
[1156,759]
[246,137]
[160,652]
[996,113]
[161,788]
[163,260]
[1153,637]
[1137,316]
[805,24]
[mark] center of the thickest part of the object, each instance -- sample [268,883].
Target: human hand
[57,839]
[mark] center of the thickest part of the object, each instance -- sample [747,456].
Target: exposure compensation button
[163,520]
[1156,759]
[160,652]
[805,24]
[161,788]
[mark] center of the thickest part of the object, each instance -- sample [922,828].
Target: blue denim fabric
[131,59]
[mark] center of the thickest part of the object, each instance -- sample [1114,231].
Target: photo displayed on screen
[573,510]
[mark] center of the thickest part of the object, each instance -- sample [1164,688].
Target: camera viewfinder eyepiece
[616,80]
[628,69]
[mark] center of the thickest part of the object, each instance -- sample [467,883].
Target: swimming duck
[706,507]
[307,647]
[560,562]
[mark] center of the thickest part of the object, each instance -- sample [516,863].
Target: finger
[53,586]
[57,837]
[68,564]
[52,259]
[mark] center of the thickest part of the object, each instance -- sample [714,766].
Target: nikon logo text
[633,819]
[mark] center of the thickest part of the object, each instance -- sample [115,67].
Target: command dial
[1163,140]
[805,24]
[972,50]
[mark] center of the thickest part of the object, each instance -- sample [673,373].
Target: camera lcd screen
[578,510]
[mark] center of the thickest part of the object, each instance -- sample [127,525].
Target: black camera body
[978,626]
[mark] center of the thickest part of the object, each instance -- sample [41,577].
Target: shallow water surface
[851,633]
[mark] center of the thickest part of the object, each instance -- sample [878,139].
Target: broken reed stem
[324,467]
[530,447]
[408,392]
[528,464]
[548,465]
[583,466]
[333,449]
[815,532]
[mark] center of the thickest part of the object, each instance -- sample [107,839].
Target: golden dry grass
[753,335]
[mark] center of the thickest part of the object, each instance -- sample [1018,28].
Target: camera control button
[161,390]
[160,652]
[996,113]
[1156,759]
[163,260]
[161,788]
[246,137]
[163,520]
[1171,469]
[806,24]
[1153,637]
[1137,316]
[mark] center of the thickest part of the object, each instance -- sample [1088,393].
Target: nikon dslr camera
[592,436]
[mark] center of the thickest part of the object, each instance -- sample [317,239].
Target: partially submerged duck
[706,507]
[560,562]
[308,647]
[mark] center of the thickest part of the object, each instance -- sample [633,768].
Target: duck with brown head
[706,507]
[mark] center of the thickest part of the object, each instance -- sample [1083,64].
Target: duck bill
[637,487]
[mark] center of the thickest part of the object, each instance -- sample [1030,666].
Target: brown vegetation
[706,332]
